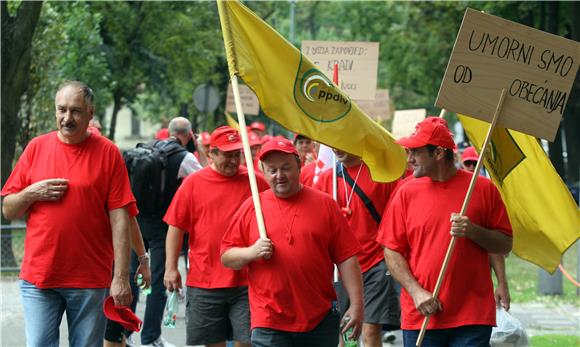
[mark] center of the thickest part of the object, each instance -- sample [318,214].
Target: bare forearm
[492,241]
[237,257]
[173,245]
[399,268]
[498,264]
[14,206]
[121,241]
[136,238]
[352,280]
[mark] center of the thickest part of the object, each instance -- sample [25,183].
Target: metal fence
[12,247]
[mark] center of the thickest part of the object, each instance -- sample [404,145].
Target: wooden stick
[248,157]
[442,113]
[463,211]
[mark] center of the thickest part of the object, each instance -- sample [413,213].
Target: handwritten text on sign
[250,103]
[536,68]
[357,64]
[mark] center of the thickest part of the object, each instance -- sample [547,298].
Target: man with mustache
[217,297]
[74,189]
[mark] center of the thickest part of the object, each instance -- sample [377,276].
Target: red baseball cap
[225,139]
[468,154]
[277,145]
[431,131]
[162,134]
[122,314]
[258,126]
[205,138]
[266,138]
[254,139]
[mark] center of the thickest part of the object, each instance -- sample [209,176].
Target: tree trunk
[571,116]
[17,33]
[552,23]
[116,107]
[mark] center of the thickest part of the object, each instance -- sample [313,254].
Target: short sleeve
[120,193]
[343,243]
[19,178]
[237,234]
[179,212]
[392,232]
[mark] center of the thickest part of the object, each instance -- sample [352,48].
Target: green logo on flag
[317,96]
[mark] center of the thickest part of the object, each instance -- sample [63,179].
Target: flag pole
[248,157]
[228,43]
[334,173]
[463,209]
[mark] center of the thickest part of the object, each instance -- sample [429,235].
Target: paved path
[538,318]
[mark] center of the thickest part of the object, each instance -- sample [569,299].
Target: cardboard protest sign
[357,64]
[250,103]
[405,120]
[536,68]
[378,109]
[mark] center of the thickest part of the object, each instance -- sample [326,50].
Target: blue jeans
[464,336]
[43,310]
[325,334]
[154,234]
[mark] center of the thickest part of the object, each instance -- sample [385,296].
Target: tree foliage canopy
[150,56]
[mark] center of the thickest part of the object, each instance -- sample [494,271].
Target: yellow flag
[543,214]
[231,121]
[294,93]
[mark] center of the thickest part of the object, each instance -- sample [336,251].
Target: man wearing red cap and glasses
[290,273]
[415,232]
[217,297]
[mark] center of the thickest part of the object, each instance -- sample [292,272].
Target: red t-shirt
[69,242]
[417,226]
[203,206]
[307,174]
[360,220]
[292,291]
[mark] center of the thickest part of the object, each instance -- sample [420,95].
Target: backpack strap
[169,147]
[366,200]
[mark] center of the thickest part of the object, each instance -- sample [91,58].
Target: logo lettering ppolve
[317,96]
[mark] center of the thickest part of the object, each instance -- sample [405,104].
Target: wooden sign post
[357,62]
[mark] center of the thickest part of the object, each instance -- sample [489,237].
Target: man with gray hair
[180,163]
[73,187]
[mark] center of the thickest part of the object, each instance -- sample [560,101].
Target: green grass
[523,280]
[555,340]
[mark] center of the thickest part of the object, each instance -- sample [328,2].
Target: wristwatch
[144,259]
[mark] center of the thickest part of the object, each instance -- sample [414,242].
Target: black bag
[147,167]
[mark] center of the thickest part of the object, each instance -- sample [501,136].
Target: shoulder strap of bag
[366,200]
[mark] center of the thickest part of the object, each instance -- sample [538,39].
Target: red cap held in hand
[122,314]
[431,131]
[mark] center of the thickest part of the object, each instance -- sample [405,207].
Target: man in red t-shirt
[290,272]
[203,207]
[363,213]
[415,232]
[469,159]
[73,186]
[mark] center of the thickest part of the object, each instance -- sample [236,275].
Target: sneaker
[160,342]
[130,343]
[389,337]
